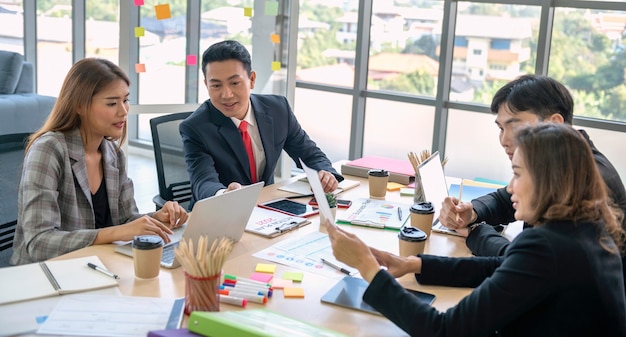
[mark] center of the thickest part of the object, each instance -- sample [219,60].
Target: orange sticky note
[140,68]
[280,283]
[293,292]
[247,11]
[192,60]
[275,66]
[139,31]
[162,11]
[265,268]
[275,38]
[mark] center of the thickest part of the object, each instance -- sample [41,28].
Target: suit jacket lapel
[232,137]
[111,177]
[265,126]
[77,158]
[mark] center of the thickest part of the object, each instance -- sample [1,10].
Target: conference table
[171,282]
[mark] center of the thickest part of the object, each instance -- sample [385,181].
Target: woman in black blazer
[561,278]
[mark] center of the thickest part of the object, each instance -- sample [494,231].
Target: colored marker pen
[238,301]
[248,296]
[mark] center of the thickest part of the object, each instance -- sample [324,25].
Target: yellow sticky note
[265,268]
[247,11]
[280,283]
[293,275]
[275,66]
[139,31]
[275,38]
[393,186]
[293,292]
[271,8]
[140,68]
[162,11]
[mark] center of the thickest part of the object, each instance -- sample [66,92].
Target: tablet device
[290,207]
[349,292]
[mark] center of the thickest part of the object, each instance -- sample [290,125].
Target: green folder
[252,323]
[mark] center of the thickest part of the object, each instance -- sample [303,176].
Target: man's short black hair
[227,50]
[541,95]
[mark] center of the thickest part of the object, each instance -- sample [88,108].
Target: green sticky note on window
[271,8]
[295,276]
[139,31]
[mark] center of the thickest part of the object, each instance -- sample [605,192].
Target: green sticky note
[295,276]
[271,8]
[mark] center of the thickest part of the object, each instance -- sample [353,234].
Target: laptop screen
[433,182]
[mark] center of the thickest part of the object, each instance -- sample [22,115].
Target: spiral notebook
[376,213]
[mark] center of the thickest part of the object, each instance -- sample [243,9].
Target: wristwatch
[473,226]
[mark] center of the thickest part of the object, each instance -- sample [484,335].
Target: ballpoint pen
[102,270]
[399,213]
[334,266]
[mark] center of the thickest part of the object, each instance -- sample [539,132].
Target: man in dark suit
[235,137]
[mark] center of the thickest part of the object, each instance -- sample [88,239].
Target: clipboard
[269,223]
[376,213]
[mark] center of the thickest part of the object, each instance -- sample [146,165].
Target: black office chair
[11,160]
[170,162]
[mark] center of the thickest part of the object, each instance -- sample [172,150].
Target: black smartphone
[341,203]
[290,207]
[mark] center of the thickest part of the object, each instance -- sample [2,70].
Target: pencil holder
[202,293]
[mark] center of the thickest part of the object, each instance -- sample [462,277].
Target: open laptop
[435,188]
[216,216]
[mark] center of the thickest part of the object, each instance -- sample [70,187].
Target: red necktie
[243,128]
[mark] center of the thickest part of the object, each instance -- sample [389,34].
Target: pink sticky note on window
[140,68]
[138,2]
[139,31]
[192,60]
[275,38]
[247,11]
[162,11]
[262,277]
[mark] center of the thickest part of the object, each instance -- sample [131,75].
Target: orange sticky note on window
[275,38]
[139,31]
[192,60]
[293,292]
[265,268]
[275,66]
[247,11]
[140,68]
[162,11]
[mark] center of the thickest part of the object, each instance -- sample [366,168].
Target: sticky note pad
[275,66]
[162,11]
[393,186]
[271,8]
[247,11]
[407,191]
[261,277]
[275,38]
[192,60]
[140,68]
[280,283]
[265,268]
[138,2]
[139,31]
[293,292]
[293,275]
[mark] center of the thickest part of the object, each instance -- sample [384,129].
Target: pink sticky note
[140,68]
[138,2]
[162,11]
[192,60]
[275,38]
[247,11]
[262,277]
[280,283]
[139,31]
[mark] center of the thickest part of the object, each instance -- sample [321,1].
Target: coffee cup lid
[422,207]
[147,241]
[378,173]
[409,233]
